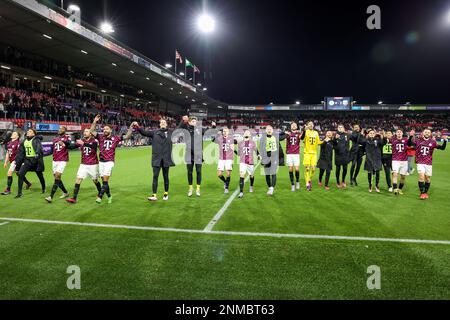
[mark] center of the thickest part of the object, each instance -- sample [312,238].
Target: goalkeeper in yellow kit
[311,141]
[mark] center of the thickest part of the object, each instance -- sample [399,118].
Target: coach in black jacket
[161,155]
[30,158]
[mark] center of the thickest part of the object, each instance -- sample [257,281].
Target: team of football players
[382,150]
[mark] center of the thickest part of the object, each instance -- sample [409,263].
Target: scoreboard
[338,103]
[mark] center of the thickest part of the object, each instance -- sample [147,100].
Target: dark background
[284,51]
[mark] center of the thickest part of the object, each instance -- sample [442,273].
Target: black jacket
[326,156]
[342,149]
[357,150]
[36,162]
[194,142]
[374,153]
[161,147]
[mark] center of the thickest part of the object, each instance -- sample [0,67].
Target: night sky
[284,51]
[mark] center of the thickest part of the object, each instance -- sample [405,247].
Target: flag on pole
[196,69]
[189,64]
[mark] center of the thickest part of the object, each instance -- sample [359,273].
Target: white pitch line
[232,233]
[4,223]
[222,210]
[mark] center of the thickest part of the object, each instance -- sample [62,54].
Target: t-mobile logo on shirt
[425,151]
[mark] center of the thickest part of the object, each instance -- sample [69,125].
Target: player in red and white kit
[10,159]
[89,163]
[61,146]
[293,141]
[399,161]
[226,157]
[247,149]
[425,146]
[107,145]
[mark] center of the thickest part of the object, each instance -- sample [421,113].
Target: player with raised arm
[162,145]
[89,163]
[226,157]
[325,163]
[311,140]
[293,141]
[107,144]
[61,145]
[342,155]
[399,161]
[425,146]
[12,149]
[246,151]
[194,151]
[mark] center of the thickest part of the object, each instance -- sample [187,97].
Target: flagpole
[185,70]
[176,61]
[194,75]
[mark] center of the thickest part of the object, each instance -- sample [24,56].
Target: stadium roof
[23,24]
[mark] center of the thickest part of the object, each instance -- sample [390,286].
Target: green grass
[133,264]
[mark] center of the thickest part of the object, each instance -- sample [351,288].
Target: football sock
[54,189]
[191,187]
[252,181]
[241,184]
[26,181]
[297,176]
[10,181]
[76,190]
[274,180]
[223,179]
[369,179]
[422,187]
[395,186]
[427,187]
[228,182]
[198,187]
[62,187]
[313,171]
[291,176]
[98,185]
[401,186]
[307,176]
[321,173]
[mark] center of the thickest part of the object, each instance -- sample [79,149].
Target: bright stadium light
[73,7]
[297,102]
[168,65]
[182,74]
[107,28]
[380,102]
[447,18]
[206,23]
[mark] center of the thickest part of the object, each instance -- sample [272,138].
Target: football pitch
[300,245]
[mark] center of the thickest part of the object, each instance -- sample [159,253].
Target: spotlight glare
[106,27]
[206,23]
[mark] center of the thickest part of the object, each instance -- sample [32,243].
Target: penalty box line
[222,210]
[232,233]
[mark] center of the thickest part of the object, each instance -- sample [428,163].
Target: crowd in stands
[325,121]
[51,105]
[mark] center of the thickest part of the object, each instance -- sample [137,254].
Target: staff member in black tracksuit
[356,154]
[342,155]
[325,163]
[374,148]
[387,158]
[30,158]
[161,155]
[194,151]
